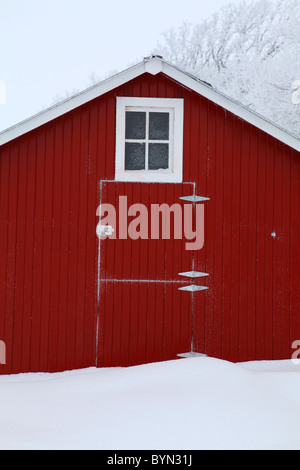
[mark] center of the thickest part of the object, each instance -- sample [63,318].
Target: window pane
[135,125]
[134,156]
[159,126]
[158,156]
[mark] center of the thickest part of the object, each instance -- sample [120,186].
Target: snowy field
[198,403]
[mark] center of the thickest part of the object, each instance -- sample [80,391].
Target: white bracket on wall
[195,198]
[193,274]
[192,354]
[193,288]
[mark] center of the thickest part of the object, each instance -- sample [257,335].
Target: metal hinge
[193,288]
[195,198]
[193,274]
[192,354]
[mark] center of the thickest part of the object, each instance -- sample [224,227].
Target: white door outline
[187,277]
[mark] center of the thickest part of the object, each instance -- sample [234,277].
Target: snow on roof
[152,65]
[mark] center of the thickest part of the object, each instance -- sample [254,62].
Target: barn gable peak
[153,64]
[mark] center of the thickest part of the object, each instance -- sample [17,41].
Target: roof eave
[232,106]
[71,103]
[152,65]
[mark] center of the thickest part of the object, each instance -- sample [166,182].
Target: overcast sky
[49,46]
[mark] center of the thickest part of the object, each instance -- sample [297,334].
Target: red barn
[149,136]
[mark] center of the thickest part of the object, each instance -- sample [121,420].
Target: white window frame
[174,174]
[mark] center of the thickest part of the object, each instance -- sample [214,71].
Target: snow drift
[197,403]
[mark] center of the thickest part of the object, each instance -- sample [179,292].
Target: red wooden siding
[49,193]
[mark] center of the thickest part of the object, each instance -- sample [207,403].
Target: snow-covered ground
[196,403]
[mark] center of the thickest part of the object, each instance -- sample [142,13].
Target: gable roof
[152,65]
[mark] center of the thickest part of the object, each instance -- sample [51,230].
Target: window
[149,139]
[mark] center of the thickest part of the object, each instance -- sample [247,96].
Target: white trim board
[152,65]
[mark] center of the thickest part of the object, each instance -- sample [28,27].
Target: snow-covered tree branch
[250,51]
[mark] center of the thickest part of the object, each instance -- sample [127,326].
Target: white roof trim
[153,65]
